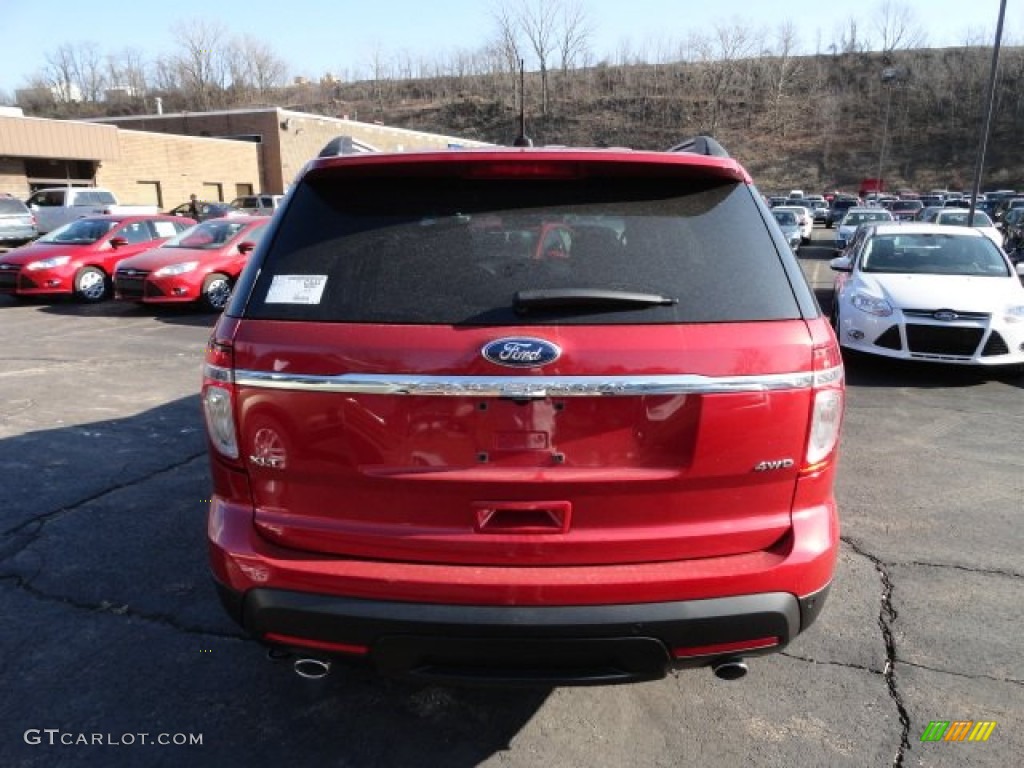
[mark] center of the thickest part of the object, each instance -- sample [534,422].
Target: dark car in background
[1012,226]
[17,222]
[207,210]
[838,208]
[443,449]
[905,210]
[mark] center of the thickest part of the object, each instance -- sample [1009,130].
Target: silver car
[17,223]
[854,218]
[790,226]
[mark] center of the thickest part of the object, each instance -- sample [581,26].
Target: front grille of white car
[936,314]
[955,341]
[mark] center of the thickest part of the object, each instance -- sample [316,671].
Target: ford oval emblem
[520,352]
[945,315]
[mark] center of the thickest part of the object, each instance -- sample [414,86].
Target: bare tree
[574,35]
[201,61]
[721,62]
[267,69]
[897,27]
[89,76]
[783,69]
[59,74]
[539,22]
[508,44]
[850,38]
[380,72]
[127,70]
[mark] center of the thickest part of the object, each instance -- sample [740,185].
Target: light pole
[888,75]
[976,188]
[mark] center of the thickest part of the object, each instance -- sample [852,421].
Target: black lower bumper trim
[540,644]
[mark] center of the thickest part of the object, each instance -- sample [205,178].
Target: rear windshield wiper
[587,298]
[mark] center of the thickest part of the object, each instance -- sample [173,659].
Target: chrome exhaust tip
[312,669]
[730,669]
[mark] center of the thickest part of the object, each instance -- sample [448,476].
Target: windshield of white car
[859,218]
[933,254]
[80,232]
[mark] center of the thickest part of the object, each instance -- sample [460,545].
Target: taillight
[826,408]
[219,398]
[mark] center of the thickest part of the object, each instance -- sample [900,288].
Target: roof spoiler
[700,145]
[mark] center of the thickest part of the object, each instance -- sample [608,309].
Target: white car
[804,216]
[928,292]
[957,217]
[257,205]
[854,218]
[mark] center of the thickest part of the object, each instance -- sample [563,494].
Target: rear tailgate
[639,444]
[666,420]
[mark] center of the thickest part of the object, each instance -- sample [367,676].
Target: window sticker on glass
[296,289]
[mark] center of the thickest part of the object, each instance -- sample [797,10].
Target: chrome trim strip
[525,386]
[829,376]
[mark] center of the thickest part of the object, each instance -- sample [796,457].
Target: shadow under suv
[558,416]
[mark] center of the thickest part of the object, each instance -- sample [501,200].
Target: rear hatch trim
[525,386]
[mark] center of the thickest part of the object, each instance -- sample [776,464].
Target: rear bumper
[552,625]
[509,645]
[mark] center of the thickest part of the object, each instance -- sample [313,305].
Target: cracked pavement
[111,624]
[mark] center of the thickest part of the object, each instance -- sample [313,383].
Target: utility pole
[889,74]
[988,114]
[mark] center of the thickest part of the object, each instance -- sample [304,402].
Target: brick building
[162,159]
[286,140]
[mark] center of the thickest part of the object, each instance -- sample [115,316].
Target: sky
[342,36]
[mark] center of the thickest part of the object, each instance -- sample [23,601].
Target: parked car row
[148,259]
[952,216]
[254,205]
[48,209]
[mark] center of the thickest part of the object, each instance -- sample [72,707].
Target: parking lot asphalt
[112,630]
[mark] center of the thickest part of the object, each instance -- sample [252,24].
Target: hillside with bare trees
[874,101]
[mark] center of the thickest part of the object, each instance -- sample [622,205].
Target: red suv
[443,449]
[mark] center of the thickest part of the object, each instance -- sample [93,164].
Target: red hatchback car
[199,265]
[80,257]
[433,451]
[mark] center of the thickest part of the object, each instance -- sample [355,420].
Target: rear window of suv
[459,251]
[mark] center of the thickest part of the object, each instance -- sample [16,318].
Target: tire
[216,292]
[92,285]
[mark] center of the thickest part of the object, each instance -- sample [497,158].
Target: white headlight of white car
[873,305]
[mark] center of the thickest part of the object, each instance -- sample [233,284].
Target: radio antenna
[522,140]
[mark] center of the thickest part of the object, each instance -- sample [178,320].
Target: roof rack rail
[700,145]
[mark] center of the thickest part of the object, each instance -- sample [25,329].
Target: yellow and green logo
[958,730]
